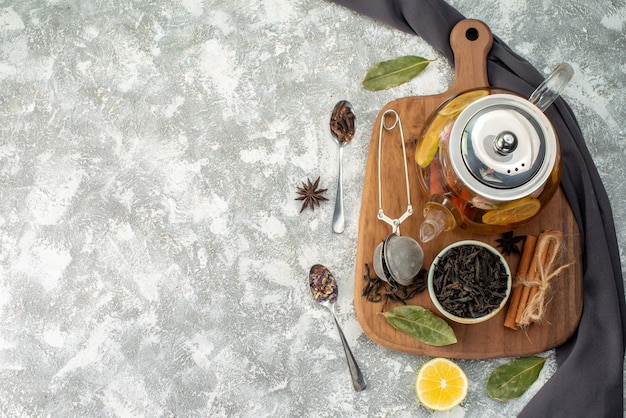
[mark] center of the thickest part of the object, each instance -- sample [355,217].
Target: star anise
[310,194]
[508,243]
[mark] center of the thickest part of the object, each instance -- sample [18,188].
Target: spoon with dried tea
[324,290]
[342,128]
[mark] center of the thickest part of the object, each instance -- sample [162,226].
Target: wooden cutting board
[471,40]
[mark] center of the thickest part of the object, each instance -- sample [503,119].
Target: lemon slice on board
[441,384]
[513,212]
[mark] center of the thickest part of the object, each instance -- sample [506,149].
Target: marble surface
[153,260]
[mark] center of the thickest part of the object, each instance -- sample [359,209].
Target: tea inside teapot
[489,159]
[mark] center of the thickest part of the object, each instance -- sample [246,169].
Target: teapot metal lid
[503,147]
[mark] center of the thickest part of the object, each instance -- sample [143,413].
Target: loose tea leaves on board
[377,290]
[470,281]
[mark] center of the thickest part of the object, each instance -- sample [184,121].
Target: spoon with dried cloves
[324,290]
[342,128]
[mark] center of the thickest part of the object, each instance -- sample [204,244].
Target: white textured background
[152,258]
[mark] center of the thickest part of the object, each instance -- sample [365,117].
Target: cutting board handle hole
[472,34]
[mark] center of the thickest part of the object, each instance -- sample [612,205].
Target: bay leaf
[511,380]
[387,74]
[421,324]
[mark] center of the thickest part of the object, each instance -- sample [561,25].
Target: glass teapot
[489,160]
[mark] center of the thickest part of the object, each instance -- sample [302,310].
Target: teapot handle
[552,86]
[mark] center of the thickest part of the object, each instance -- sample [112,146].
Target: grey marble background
[153,259]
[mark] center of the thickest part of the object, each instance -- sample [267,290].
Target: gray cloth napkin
[589,378]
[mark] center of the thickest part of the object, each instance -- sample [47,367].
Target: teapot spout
[437,219]
[431,228]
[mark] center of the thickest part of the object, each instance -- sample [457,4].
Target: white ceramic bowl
[431,288]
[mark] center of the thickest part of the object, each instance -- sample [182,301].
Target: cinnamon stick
[435,184]
[516,293]
[533,276]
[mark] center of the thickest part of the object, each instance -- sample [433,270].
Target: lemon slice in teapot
[429,143]
[461,101]
[513,212]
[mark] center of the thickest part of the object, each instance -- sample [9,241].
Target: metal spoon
[324,290]
[342,127]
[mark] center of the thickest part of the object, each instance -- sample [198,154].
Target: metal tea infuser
[398,259]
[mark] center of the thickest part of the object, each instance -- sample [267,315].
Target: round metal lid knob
[505,143]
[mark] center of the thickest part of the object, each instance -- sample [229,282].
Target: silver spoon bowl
[342,128]
[324,290]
